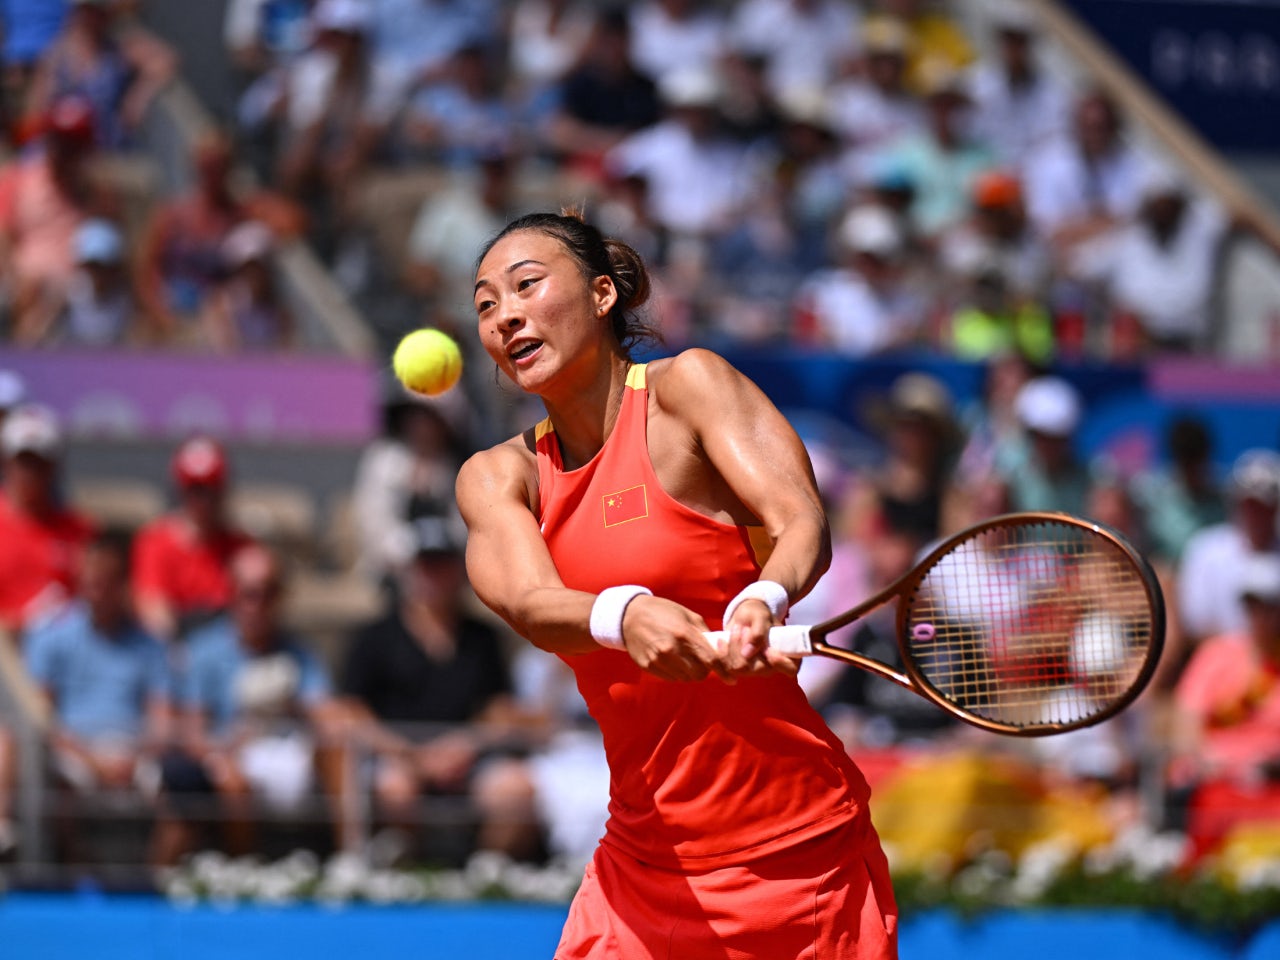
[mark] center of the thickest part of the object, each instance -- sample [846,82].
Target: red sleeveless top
[701,774]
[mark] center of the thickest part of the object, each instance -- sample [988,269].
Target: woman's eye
[526,282]
[483,305]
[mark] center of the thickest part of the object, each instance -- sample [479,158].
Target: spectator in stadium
[1083,182]
[1215,557]
[41,539]
[407,472]
[997,231]
[697,175]
[670,36]
[449,225]
[98,307]
[246,311]
[1157,271]
[428,688]
[259,33]
[934,36]
[1018,105]
[804,43]
[179,259]
[944,159]
[865,304]
[871,106]
[255,718]
[413,40]
[45,194]
[107,683]
[1228,698]
[991,425]
[989,318]
[904,493]
[546,39]
[1184,496]
[181,564]
[602,99]
[323,112]
[114,63]
[1043,472]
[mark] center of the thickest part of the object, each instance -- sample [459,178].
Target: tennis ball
[427,361]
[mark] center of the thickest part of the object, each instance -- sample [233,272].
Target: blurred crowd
[866,177]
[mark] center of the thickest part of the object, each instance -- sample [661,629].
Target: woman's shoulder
[511,465]
[689,372]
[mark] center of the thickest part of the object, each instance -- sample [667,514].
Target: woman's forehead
[521,245]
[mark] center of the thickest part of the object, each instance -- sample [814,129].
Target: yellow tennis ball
[427,361]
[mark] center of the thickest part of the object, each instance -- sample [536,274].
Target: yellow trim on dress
[636,377]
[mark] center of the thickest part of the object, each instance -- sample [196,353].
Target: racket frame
[913,679]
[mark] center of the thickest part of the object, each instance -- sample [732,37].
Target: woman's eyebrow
[510,270]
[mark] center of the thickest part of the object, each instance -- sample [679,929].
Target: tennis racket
[1026,624]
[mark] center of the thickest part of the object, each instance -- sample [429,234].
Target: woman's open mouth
[525,351]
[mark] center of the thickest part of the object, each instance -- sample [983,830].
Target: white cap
[98,241]
[690,87]
[342,16]
[1260,577]
[248,241]
[31,428]
[13,390]
[1048,405]
[1013,16]
[871,229]
[1255,475]
[1157,177]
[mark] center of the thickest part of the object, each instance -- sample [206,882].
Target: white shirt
[1209,581]
[1167,286]
[1017,120]
[856,319]
[661,44]
[695,186]
[1061,188]
[804,47]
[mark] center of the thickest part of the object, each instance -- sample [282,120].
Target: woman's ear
[604,294]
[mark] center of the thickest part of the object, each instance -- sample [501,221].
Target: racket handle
[793,640]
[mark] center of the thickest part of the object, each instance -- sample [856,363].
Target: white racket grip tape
[792,639]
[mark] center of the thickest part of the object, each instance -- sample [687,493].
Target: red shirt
[39,560]
[1234,696]
[703,774]
[192,574]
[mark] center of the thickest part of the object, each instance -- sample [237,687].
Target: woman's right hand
[668,640]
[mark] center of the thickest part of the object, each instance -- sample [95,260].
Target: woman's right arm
[508,563]
[511,571]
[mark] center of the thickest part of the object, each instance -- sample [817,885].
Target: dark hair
[597,256]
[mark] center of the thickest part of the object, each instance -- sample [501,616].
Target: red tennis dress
[737,824]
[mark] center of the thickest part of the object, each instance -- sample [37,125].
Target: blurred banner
[150,396]
[1217,62]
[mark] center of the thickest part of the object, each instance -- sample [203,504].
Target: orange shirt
[38,556]
[192,574]
[702,775]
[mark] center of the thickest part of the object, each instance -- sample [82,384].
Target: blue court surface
[137,928]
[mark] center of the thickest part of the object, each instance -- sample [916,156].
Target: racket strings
[1036,624]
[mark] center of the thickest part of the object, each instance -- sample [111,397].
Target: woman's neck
[584,416]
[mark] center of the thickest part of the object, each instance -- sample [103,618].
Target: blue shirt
[101,684]
[218,666]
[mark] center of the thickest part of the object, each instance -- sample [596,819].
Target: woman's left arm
[765,464]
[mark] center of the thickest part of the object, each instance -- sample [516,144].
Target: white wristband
[772,594]
[607,613]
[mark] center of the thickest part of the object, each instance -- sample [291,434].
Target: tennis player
[657,501]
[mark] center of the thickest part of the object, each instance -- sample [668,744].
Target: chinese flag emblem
[625,505]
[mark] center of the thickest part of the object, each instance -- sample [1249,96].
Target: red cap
[71,118]
[996,189]
[200,461]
